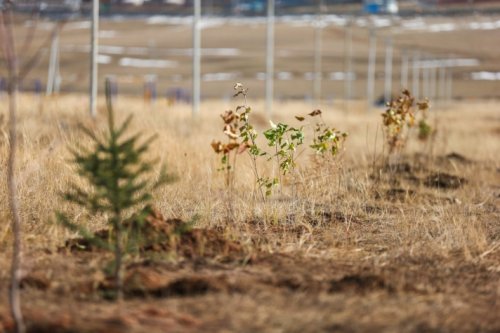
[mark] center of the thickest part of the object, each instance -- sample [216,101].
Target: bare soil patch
[382,286]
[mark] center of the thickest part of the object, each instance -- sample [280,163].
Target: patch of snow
[381,22]
[416,24]
[484,25]
[436,63]
[107,34]
[285,76]
[146,63]
[341,76]
[111,49]
[104,59]
[442,27]
[261,76]
[133,50]
[486,76]
[77,25]
[210,77]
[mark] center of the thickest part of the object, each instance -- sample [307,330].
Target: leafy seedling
[397,119]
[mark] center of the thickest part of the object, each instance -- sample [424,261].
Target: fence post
[416,75]
[93,57]
[370,88]
[442,82]
[449,85]
[196,57]
[270,58]
[404,69]
[53,64]
[388,70]
[348,64]
[425,77]
[433,79]
[317,62]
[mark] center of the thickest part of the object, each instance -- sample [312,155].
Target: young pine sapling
[120,180]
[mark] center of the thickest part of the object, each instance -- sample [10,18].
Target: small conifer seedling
[120,181]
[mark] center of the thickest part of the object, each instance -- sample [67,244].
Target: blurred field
[358,249]
[234,49]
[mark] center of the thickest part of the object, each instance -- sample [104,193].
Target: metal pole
[433,80]
[404,69]
[388,69]
[416,75]
[348,64]
[196,57]
[52,64]
[94,45]
[370,89]
[442,83]
[270,58]
[449,85]
[57,76]
[318,50]
[425,78]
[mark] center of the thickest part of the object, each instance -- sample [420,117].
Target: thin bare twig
[6,33]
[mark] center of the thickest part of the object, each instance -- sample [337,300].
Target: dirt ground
[214,287]
[409,246]
[268,293]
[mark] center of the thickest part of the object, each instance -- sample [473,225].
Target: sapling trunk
[116,221]
[118,257]
[280,177]
[14,295]
[254,144]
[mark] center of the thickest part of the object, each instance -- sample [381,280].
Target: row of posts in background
[424,77]
[150,91]
[431,77]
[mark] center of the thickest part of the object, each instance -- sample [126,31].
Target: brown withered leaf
[423,105]
[230,132]
[230,146]
[217,146]
[314,113]
[229,116]
[299,118]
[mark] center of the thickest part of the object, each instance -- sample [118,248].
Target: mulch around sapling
[155,233]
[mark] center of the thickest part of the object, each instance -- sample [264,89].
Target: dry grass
[427,248]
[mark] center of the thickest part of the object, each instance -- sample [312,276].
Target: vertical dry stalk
[6,33]
[119,258]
